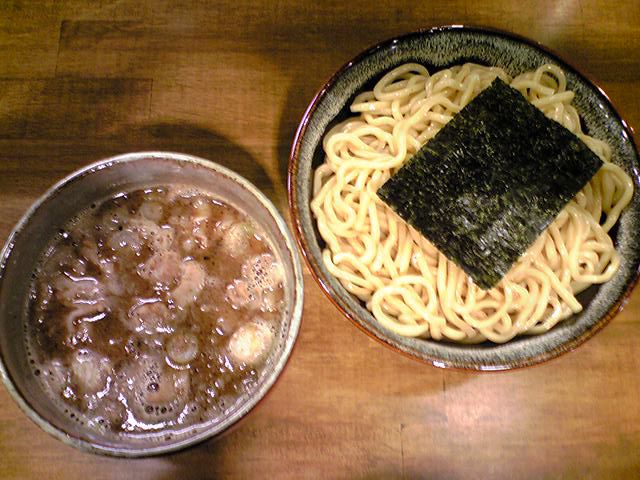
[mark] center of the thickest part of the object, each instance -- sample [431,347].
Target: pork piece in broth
[154,310]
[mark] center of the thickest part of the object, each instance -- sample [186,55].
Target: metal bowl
[439,48]
[52,211]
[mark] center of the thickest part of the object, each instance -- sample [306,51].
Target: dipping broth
[154,311]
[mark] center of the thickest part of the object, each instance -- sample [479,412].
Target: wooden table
[80,80]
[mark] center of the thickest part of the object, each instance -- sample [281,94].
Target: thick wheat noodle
[409,286]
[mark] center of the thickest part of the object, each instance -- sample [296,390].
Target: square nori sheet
[490,181]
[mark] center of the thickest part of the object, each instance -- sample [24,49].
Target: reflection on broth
[154,311]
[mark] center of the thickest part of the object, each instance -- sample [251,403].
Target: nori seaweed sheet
[490,181]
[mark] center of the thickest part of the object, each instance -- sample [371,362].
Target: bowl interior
[436,49]
[65,200]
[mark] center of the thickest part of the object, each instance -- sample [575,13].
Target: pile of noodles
[409,286]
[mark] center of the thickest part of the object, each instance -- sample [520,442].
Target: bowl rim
[294,317]
[331,294]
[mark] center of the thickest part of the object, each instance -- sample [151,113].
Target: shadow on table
[222,458]
[70,154]
[196,140]
[286,447]
[299,94]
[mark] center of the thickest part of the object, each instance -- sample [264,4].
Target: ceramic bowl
[438,48]
[52,211]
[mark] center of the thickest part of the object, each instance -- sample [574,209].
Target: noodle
[409,286]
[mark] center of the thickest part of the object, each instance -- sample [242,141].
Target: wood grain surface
[229,80]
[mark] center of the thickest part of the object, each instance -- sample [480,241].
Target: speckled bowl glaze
[437,48]
[63,201]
